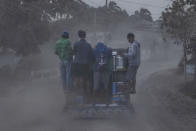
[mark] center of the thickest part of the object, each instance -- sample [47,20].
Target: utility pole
[95,25]
[106,3]
[105,26]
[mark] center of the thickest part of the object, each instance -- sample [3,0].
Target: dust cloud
[37,104]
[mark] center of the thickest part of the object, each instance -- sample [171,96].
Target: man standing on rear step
[64,51]
[102,71]
[83,61]
[133,61]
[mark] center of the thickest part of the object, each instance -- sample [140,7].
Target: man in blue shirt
[133,61]
[102,69]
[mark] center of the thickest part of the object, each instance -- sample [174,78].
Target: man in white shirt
[133,61]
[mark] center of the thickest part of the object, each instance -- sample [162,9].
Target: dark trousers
[82,80]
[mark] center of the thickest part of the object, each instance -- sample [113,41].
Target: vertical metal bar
[114,88]
[185,62]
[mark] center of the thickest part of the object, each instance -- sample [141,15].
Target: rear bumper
[99,109]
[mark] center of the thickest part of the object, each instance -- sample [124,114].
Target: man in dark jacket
[83,60]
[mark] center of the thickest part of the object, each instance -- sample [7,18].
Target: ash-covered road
[37,106]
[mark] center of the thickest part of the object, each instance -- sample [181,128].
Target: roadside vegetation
[179,23]
[25,24]
[178,20]
[28,24]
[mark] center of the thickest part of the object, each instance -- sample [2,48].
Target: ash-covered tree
[142,15]
[110,17]
[25,24]
[179,20]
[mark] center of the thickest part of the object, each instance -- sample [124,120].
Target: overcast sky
[155,6]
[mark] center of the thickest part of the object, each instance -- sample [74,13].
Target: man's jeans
[131,77]
[131,73]
[65,68]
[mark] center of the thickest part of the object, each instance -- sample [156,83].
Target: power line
[138,3]
[129,11]
[92,2]
[130,2]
